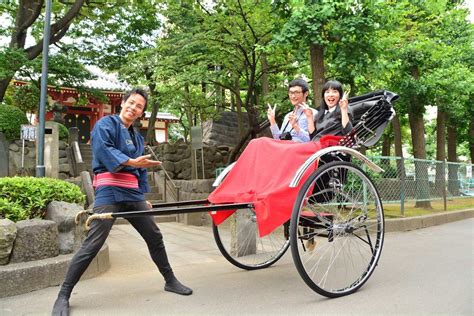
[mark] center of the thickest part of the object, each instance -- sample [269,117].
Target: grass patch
[393,210]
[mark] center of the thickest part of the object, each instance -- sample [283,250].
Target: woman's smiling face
[331,97]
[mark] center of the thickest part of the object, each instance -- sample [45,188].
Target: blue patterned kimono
[112,145]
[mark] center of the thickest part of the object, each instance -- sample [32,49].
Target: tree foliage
[199,58]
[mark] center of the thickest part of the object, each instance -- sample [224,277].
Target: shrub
[12,210]
[27,97]
[27,197]
[11,119]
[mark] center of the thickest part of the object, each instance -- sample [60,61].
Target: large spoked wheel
[337,229]
[239,242]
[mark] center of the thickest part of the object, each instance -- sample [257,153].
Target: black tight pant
[98,233]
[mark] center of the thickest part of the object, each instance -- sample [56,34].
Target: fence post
[444,186]
[402,186]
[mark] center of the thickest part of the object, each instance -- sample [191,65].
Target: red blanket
[262,176]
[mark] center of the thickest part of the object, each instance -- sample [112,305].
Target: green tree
[416,36]
[26,19]
[339,36]
[104,33]
[122,39]
[221,48]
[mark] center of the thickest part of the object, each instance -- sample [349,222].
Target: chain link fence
[409,179]
[418,180]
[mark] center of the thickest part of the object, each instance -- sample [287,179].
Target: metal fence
[408,179]
[416,180]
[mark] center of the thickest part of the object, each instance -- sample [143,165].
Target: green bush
[27,97]
[27,197]
[11,119]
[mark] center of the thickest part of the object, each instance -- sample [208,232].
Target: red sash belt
[119,179]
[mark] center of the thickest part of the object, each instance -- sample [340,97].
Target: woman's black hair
[331,84]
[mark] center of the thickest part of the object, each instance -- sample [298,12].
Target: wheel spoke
[239,241]
[343,223]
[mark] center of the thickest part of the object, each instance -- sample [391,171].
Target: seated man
[295,123]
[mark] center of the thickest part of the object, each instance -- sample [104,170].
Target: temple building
[65,110]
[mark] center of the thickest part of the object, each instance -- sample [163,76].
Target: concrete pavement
[422,272]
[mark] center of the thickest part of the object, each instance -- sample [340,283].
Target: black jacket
[331,124]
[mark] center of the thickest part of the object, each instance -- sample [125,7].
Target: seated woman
[334,116]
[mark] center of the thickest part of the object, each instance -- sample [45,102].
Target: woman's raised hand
[344,102]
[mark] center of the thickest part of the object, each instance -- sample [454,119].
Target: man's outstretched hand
[142,162]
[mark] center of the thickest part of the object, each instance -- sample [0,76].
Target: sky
[470,5]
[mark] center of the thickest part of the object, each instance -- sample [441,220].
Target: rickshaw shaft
[184,210]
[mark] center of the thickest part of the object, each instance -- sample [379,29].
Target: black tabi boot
[173,285]
[61,307]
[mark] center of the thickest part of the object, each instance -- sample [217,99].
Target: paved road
[422,272]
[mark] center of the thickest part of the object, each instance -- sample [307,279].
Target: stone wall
[195,190]
[4,156]
[15,153]
[177,160]
[219,137]
[224,130]
[36,239]
[35,253]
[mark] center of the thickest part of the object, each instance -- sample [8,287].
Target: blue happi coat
[112,145]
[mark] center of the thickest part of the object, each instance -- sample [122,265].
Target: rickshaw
[336,227]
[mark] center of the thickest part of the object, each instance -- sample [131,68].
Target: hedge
[27,197]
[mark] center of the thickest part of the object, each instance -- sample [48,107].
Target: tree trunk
[397,139]
[3,87]
[150,133]
[190,117]
[440,151]
[238,105]
[250,98]
[218,93]
[265,82]
[317,72]
[422,193]
[453,182]
[232,102]
[386,145]
[415,117]
[441,135]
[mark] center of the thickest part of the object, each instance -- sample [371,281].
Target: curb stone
[19,278]
[417,222]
